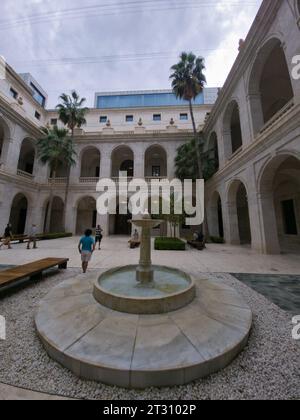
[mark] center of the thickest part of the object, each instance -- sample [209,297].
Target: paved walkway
[217,258]
[8,392]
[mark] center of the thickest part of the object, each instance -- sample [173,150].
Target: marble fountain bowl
[118,289]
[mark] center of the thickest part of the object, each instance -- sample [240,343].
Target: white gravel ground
[269,367]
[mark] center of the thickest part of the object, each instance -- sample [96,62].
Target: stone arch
[27,156]
[86,214]
[122,160]
[90,162]
[215,216]
[279,188]
[238,212]
[19,213]
[269,70]
[156,161]
[4,137]
[232,131]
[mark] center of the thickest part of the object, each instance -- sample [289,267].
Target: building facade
[254,128]
[133,132]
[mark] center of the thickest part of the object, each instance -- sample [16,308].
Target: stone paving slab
[138,351]
[216,258]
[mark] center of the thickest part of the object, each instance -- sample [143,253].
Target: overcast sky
[119,44]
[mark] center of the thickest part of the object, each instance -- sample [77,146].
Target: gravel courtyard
[269,367]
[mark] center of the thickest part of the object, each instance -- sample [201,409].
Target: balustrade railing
[24,174]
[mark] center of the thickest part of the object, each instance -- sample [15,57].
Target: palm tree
[186,166]
[187,83]
[72,114]
[55,148]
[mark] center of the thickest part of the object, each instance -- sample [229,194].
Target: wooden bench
[30,270]
[18,238]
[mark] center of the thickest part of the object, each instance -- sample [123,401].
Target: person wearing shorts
[99,235]
[86,248]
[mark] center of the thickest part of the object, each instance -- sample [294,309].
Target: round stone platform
[138,351]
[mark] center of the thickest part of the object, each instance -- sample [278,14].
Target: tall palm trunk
[50,205]
[67,188]
[197,139]
[200,173]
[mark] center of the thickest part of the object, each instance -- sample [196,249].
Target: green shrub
[48,236]
[217,240]
[169,244]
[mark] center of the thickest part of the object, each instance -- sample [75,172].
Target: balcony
[25,175]
[57,181]
[88,180]
[276,119]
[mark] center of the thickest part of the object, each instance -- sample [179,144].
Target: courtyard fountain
[144,289]
[143,325]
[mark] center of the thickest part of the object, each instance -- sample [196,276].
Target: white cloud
[212,31]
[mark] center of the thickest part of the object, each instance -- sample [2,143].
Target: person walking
[32,237]
[7,236]
[99,236]
[86,248]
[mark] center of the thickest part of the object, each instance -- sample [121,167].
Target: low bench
[197,245]
[34,269]
[18,238]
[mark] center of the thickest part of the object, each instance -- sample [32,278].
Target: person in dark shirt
[98,235]
[7,236]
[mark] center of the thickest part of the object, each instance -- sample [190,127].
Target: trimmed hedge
[217,240]
[169,244]
[48,236]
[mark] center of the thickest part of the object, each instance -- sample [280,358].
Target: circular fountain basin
[118,289]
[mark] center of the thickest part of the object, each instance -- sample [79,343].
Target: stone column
[139,162]
[270,240]
[5,208]
[105,166]
[255,112]
[231,223]
[171,155]
[71,217]
[255,226]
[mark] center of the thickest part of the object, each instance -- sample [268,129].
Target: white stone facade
[144,150]
[254,129]
[254,197]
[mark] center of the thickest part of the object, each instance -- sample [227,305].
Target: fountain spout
[144,271]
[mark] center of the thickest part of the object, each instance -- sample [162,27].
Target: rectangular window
[129,118]
[103,119]
[53,121]
[184,117]
[289,217]
[37,115]
[13,93]
[38,96]
[157,117]
[156,171]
